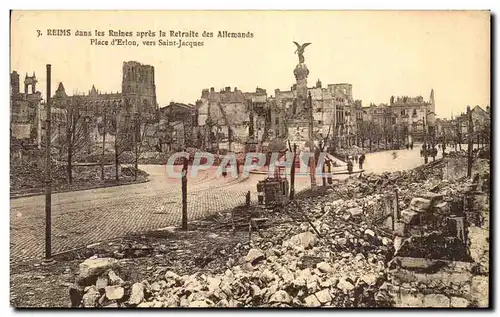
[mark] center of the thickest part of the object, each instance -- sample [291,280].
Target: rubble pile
[428,178]
[28,173]
[451,286]
[324,251]
[301,271]
[287,265]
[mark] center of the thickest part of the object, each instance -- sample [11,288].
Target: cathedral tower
[139,89]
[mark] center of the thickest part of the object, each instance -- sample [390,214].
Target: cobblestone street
[85,217]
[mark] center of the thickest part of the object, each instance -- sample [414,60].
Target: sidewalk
[29,192]
[339,170]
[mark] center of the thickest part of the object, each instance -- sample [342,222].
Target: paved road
[398,160]
[85,217]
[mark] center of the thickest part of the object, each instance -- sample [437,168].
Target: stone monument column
[301,72]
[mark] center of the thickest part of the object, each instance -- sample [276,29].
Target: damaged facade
[406,116]
[232,119]
[137,102]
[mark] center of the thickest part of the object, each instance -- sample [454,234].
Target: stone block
[459,302]
[95,267]
[420,204]
[436,301]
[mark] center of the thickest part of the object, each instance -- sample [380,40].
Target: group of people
[358,159]
[431,151]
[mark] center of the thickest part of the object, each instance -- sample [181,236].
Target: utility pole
[48,177]
[470,144]
[311,142]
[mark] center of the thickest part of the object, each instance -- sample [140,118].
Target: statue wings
[301,48]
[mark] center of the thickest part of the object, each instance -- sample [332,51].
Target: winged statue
[300,50]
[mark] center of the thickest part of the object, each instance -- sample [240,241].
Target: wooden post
[426,159]
[470,144]
[398,215]
[247,200]
[48,174]
[323,177]
[307,219]
[184,195]
[292,173]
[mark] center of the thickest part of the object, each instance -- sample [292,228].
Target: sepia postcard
[223,159]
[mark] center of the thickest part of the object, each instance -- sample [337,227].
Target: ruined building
[335,113]
[136,103]
[24,107]
[232,119]
[177,129]
[405,115]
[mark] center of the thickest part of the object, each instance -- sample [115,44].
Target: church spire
[432,102]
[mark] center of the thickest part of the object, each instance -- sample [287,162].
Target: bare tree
[120,131]
[76,138]
[458,133]
[140,127]
[104,125]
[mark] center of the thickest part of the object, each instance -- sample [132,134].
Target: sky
[381,53]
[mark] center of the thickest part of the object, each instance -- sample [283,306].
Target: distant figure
[356,158]
[224,172]
[434,153]
[349,166]
[394,155]
[411,145]
[361,160]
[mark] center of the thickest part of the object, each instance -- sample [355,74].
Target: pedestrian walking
[356,158]
[361,161]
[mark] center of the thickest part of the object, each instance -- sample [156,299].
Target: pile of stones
[302,272]
[339,261]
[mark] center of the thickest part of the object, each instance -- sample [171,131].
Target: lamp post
[48,177]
